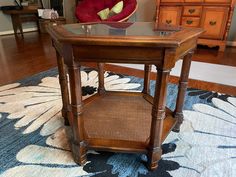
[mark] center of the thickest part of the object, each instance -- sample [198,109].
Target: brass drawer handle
[168,21]
[189,22]
[191,11]
[212,23]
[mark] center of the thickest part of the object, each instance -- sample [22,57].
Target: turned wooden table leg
[147,73]
[183,83]
[78,143]
[16,23]
[158,114]
[37,22]
[64,88]
[101,88]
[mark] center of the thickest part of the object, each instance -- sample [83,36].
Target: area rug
[33,141]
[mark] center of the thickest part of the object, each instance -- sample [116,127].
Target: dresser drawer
[218,1]
[170,15]
[214,21]
[192,11]
[172,0]
[193,1]
[190,21]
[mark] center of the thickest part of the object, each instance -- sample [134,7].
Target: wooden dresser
[213,15]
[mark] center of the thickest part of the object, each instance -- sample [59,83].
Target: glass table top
[120,29]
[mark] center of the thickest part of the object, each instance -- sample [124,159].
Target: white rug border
[214,73]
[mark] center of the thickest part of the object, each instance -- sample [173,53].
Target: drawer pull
[168,21]
[212,23]
[189,22]
[191,11]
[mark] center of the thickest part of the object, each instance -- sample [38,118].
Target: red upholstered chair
[86,10]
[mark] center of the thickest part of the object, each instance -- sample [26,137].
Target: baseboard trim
[231,43]
[12,32]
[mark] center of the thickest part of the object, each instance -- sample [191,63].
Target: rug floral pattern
[205,146]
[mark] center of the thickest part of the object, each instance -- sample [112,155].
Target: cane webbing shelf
[121,117]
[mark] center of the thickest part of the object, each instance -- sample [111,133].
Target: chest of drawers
[213,15]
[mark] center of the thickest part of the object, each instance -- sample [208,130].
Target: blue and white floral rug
[33,141]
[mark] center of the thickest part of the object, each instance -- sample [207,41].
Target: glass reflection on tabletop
[120,29]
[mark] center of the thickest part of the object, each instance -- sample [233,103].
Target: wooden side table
[122,121]
[27,14]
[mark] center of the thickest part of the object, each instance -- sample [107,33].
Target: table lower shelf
[121,121]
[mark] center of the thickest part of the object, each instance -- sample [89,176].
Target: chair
[86,10]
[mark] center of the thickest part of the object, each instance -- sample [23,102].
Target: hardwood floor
[210,55]
[24,57]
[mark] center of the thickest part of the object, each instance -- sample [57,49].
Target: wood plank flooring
[24,57]
[20,58]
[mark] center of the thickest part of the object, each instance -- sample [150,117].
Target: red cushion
[86,11]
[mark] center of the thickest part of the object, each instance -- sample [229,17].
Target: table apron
[118,54]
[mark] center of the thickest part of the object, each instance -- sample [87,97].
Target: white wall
[232,32]
[5,20]
[146,10]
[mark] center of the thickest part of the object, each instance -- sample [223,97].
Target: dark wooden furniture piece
[121,121]
[43,23]
[214,16]
[27,14]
